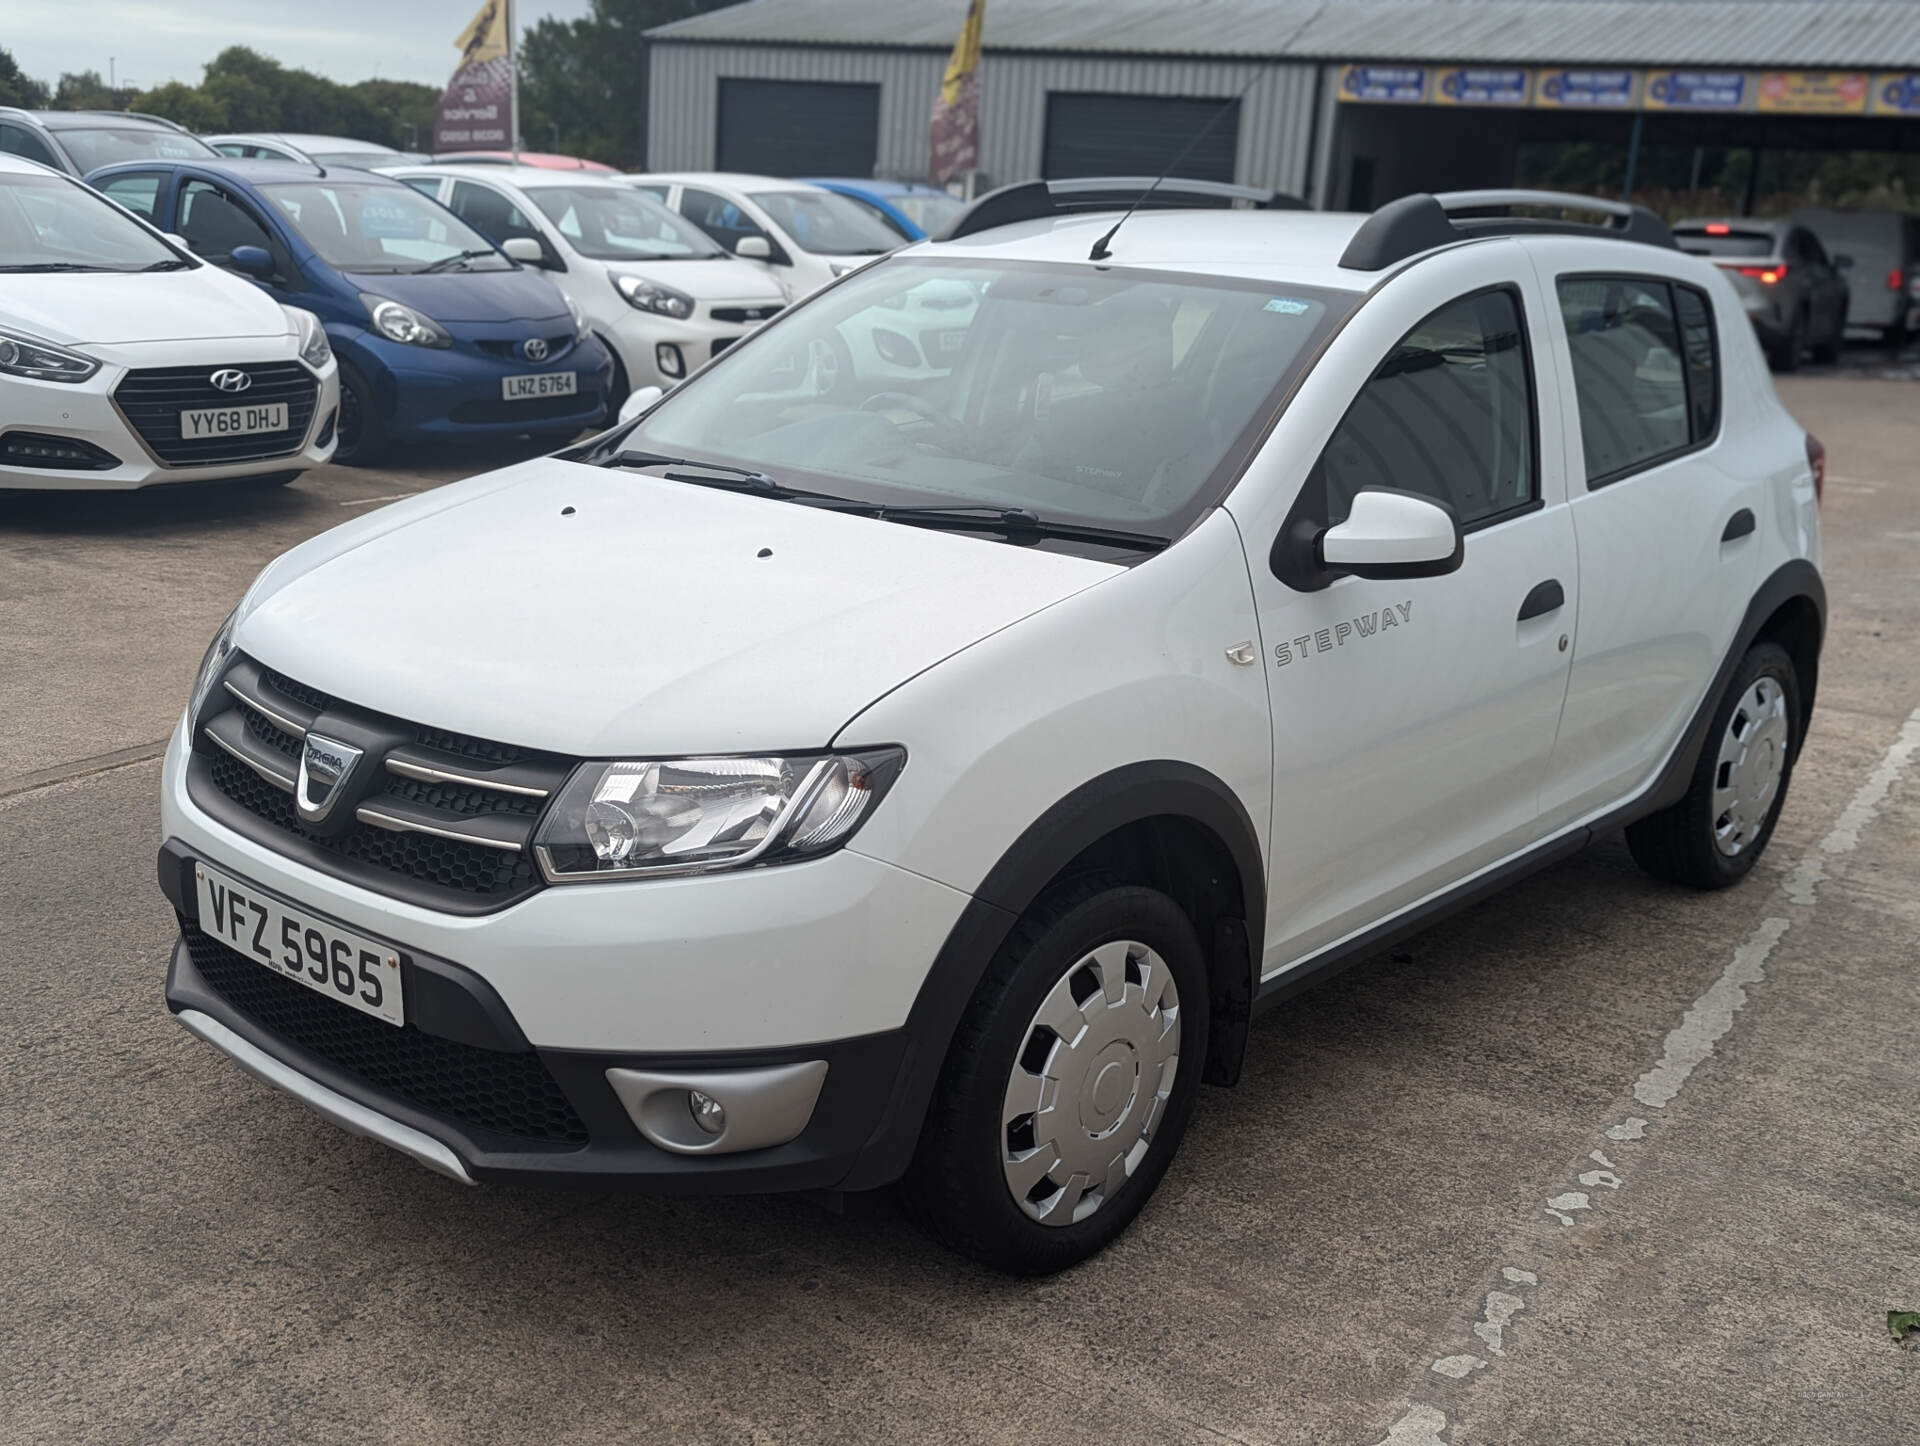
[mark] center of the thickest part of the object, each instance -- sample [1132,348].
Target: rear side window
[1448,414]
[490,213]
[23,142]
[138,193]
[1645,375]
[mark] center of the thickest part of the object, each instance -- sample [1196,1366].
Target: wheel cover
[1091,1081]
[1753,760]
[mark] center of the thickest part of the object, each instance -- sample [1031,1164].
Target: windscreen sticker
[1287,306]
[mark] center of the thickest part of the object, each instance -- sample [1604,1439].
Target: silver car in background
[1883,284]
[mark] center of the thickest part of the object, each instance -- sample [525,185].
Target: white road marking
[369,501]
[1688,1045]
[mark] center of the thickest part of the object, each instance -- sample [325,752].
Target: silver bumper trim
[348,1114]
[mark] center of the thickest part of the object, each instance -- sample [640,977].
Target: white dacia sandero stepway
[823,781]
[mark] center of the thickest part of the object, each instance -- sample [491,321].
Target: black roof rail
[1032,200]
[1412,224]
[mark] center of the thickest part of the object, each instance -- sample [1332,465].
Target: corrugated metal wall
[1276,118]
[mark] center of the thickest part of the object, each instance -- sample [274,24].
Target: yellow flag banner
[476,109]
[956,112]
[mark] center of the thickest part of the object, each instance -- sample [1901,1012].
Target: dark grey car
[1794,294]
[79,141]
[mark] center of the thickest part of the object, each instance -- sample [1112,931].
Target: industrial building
[1346,104]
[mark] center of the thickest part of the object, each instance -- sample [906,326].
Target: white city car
[125,361]
[802,236]
[821,783]
[660,293]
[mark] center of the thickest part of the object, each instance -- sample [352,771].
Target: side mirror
[753,248]
[1391,534]
[525,249]
[639,402]
[177,239]
[1842,261]
[255,261]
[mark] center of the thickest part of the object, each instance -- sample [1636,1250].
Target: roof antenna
[1101,251]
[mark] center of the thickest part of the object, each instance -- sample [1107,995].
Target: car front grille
[152,399]
[445,820]
[505,1093]
[743,315]
[558,346]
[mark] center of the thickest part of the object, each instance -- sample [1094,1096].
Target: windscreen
[93,147]
[827,223]
[51,223]
[618,223]
[367,227]
[1103,396]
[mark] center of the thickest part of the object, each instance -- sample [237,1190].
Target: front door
[1413,719]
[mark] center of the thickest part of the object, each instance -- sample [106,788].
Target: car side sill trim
[349,1114]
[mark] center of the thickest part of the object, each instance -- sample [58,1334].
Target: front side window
[717,216]
[51,223]
[93,148]
[827,223]
[373,227]
[213,223]
[1110,397]
[1447,414]
[616,223]
[1644,377]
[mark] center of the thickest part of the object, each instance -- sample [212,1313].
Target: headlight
[22,355]
[652,296]
[212,664]
[579,318]
[314,350]
[403,323]
[696,815]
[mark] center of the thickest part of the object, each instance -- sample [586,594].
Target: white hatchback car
[661,295]
[818,787]
[803,236]
[126,361]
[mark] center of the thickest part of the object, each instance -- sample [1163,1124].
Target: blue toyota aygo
[440,335]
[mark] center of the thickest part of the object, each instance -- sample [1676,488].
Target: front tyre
[1713,835]
[1069,1082]
[361,438]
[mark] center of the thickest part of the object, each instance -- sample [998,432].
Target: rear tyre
[1786,357]
[1713,835]
[361,438]
[1069,1082]
[1828,352]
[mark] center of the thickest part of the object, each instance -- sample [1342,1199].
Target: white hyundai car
[660,294]
[803,236]
[816,788]
[126,361]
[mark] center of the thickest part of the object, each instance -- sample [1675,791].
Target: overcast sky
[151,41]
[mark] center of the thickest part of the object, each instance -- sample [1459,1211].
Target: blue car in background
[913,208]
[439,334]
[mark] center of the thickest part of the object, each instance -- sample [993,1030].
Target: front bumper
[462,1091]
[422,394]
[695,341]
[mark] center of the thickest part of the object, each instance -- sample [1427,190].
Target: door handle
[1738,525]
[1544,598]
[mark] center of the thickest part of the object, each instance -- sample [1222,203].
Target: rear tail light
[1718,228]
[1765,275]
[1896,280]
[1817,460]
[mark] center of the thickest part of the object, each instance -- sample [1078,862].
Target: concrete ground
[1363,1243]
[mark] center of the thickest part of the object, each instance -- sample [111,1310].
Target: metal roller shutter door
[798,127]
[1133,135]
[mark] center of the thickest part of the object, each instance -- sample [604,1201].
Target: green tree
[87,90]
[186,105]
[18,89]
[409,107]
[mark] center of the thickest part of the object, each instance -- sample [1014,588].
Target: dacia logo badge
[325,766]
[231,379]
[535,348]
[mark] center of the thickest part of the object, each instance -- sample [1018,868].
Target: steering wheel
[944,430]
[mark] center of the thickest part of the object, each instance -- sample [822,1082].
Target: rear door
[1665,509]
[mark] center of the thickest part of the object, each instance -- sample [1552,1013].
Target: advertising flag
[476,109]
[956,112]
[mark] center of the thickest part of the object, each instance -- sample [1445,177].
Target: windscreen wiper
[172,263]
[54,266]
[454,260]
[984,517]
[735,479]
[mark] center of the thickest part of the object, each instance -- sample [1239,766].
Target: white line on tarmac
[1688,1045]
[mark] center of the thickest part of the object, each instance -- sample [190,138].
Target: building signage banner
[1697,90]
[1814,92]
[955,135]
[1476,85]
[1586,89]
[1394,84]
[476,109]
[1896,94]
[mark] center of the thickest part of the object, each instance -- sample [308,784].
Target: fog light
[708,1113]
[667,357]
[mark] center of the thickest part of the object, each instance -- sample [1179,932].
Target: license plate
[233,421]
[539,384]
[360,972]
